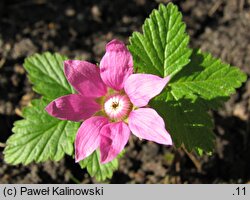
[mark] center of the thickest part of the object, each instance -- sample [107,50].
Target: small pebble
[70,12]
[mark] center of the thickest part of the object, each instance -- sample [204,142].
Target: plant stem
[196,162]
[75,180]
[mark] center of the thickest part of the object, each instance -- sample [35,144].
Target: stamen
[117,106]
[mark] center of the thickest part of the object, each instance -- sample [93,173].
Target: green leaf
[195,86]
[100,171]
[46,72]
[162,49]
[187,121]
[206,77]
[39,137]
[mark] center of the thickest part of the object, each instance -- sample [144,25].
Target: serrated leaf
[100,171]
[206,77]
[187,121]
[162,49]
[39,137]
[46,72]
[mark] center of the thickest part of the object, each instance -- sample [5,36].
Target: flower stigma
[117,106]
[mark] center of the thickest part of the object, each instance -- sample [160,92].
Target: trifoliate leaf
[162,49]
[39,137]
[100,171]
[206,77]
[187,121]
[46,72]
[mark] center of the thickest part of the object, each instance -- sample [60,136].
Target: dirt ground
[82,28]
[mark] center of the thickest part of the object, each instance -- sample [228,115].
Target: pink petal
[114,137]
[142,87]
[85,78]
[145,123]
[73,107]
[116,65]
[88,137]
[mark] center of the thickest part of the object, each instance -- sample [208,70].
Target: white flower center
[117,106]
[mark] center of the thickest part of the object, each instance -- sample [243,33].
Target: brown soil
[82,28]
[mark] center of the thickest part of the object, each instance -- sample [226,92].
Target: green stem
[75,180]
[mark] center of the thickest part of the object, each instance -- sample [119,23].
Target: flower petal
[114,137]
[85,78]
[145,123]
[116,65]
[142,87]
[73,107]
[88,137]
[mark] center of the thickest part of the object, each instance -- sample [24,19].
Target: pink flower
[112,101]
